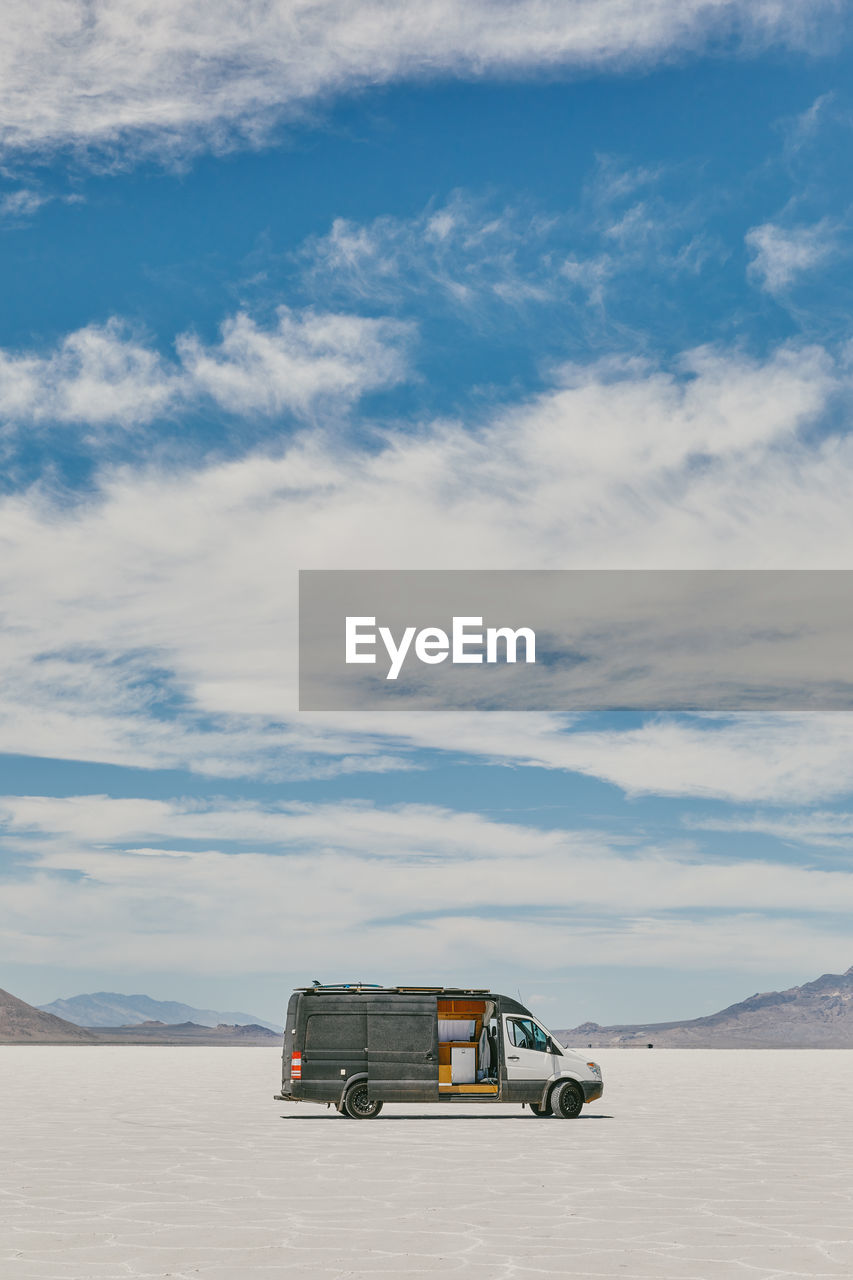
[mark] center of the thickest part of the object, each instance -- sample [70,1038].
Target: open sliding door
[402,1051]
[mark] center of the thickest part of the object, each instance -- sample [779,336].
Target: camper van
[358,1046]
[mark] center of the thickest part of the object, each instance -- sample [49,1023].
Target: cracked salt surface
[134,1162]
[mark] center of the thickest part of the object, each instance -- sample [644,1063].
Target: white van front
[532,1054]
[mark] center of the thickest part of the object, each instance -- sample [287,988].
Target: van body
[358,1046]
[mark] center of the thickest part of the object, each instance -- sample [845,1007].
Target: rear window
[335,1030]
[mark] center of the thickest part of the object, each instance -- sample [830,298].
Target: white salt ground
[124,1162]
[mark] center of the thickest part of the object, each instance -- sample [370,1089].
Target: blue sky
[489,286]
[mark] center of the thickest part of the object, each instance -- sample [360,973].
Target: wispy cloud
[17,206]
[475,255]
[782,255]
[776,758]
[106,374]
[747,758]
[465,250]
[801,130]
[397,886]
[816,828]
[176,78]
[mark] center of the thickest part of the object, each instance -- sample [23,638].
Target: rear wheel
[567,1100]
[536,1110]
[358,1103]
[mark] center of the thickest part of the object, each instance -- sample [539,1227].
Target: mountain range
[817,1015]
[112,1009]
[22,1023]
[187,1033]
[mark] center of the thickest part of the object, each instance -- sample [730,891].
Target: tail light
[296,1066]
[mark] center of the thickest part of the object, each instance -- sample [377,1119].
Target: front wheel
[358,1103]
[567,1100]
[536,1110]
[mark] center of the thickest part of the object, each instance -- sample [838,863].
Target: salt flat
[143,1161]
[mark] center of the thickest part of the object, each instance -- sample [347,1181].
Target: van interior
[467,1045]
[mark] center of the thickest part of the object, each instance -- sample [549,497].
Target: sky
[323,285]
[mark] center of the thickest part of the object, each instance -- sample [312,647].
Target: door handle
[428,1057]
[512,1057]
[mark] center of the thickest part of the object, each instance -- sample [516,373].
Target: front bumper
[592,1089]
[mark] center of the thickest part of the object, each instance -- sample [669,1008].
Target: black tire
[567,1100]
[536,1110]
[358,1104]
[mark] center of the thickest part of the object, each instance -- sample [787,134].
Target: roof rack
[468,991]
[344,986]
[321,987]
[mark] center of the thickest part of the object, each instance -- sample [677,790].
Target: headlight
[595,1069]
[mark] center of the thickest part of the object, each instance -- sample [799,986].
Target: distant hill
[21,1023]
[187,1033]
[817,1015]
[111,1009]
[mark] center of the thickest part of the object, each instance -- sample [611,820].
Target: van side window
[525,1034]
[335,1031]
[398,1031]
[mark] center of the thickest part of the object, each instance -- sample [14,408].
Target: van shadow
[501,1119]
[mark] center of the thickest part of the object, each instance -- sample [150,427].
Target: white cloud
[776,758]
[153,622]
[178,77]
[21,204]
[296,363]
[411,886]
[105,374]
[783,254]
[98,374]
[816,829]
